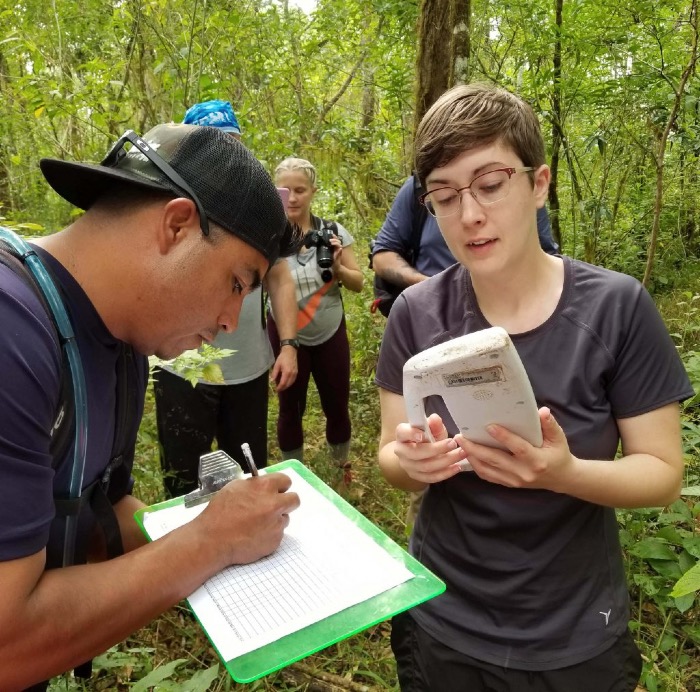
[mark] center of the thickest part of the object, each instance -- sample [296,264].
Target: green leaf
[692,545]
[688,583]
[212,373]
[668,642]
[670,534]
[685,603]
[667,568]
[201,681]
[653,548]
[158,675]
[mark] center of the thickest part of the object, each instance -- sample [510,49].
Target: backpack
[71,417]
[385,293]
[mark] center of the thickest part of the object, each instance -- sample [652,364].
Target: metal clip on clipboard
[216,469]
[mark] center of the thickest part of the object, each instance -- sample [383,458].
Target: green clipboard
[293,647]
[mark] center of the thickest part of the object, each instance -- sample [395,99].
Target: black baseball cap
[227,183]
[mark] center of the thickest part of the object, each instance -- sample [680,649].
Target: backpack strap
[57,312]
[419,214]
[62,428]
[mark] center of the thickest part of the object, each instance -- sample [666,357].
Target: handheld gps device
[481,379]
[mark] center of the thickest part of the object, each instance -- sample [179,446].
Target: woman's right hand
[425,461]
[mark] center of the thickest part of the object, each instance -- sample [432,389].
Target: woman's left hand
[337,253]
[523,465]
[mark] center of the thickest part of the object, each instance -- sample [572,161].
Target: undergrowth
[172,653]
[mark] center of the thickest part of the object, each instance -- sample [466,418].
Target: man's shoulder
[20,301]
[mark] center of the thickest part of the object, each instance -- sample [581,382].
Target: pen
[249,458]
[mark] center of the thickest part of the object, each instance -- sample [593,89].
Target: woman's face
[301,192]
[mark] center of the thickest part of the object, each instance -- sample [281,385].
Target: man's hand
[246,518]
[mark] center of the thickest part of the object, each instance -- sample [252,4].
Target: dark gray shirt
[535,579]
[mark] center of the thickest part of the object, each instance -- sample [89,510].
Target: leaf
[691,491]
[685,603]
[688,583]
[667,568]
[692,545]
[212,373]
[31,226]
[668,641]
[653,548]
[201,681]
[670,534]
[38,112]
[157,675]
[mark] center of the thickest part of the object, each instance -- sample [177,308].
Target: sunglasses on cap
[118,152]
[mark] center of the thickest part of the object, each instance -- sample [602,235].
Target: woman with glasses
[324,264]
[525,537]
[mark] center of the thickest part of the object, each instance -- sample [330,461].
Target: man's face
[490,237]
[198,291]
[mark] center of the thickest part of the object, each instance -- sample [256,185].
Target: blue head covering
[214,113]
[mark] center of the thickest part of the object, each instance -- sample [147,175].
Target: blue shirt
[30,361]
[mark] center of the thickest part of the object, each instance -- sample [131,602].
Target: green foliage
[337,87]
[197,364]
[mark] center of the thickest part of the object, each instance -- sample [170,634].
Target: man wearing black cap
[177,231]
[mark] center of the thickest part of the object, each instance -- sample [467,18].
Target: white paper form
[324,564]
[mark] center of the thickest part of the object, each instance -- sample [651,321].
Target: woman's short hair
[474,115]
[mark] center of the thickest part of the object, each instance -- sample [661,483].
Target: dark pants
[329,364]
[426,665]
[189,418]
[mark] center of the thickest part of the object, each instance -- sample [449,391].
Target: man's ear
[541,188]
[178,221]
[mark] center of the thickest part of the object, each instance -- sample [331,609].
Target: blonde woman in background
[324,265]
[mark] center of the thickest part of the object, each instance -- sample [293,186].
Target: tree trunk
[557,116]
[434,68]
[461,42]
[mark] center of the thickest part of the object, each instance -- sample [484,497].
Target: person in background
[510,538]
[321,269]
[178,229]
[235,410]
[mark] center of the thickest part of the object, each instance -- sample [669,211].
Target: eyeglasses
[487,188]
[118,152]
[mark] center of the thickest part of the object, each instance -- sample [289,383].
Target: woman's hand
[337,254]
[523,465]
[425,461]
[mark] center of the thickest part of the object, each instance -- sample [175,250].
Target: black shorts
[426,665]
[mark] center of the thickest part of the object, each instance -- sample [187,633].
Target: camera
[321,240]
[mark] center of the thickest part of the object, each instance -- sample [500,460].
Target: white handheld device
[481,379]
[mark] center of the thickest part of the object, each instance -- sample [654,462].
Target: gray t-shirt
[535,579]
[253,353]
[320,302]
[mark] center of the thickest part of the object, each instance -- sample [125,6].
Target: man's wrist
[294,343]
